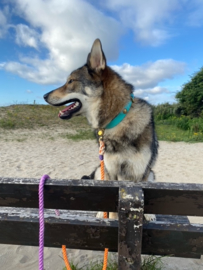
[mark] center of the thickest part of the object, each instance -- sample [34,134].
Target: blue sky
[154,44]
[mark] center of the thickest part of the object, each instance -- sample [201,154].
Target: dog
[101,95]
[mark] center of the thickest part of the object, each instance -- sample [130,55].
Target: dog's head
[82,85]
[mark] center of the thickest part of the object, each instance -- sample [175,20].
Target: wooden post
[130,212]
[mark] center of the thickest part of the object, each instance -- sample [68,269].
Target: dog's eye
[70,81]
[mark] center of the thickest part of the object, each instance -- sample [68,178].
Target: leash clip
[100,134]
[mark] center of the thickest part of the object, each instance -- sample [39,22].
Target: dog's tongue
[67,108]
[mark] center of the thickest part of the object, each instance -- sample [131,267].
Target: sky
[155,45]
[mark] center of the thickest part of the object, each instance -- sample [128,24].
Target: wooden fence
[171,233]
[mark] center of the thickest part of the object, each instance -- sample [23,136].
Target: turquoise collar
[121,115]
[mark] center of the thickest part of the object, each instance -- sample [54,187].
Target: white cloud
[153,94]
[153,22]
[161,98]
[66,29]
[158,90]
[146,98]
[146,78]
[150,74]
[3,21]
[2,65]
[147,19]
[37,70]
[26,36]
[153,91]
[2,18]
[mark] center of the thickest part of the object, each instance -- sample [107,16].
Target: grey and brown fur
[131,146]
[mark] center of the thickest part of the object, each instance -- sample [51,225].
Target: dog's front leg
[149,217]
[91,176]
[95,175]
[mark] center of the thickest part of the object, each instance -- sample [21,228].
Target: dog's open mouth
[72,107]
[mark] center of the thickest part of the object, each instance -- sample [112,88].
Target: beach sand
[34,153]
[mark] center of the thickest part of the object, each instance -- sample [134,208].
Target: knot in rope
[101,149]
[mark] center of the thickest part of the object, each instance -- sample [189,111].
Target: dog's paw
[100,215]
[149,217]
[85,177]
[113,215]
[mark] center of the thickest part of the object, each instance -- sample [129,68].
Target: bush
[191,95]
[166,111]
[183,123]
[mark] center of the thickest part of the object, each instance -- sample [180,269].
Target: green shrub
[166,111]
[183,123]
[191,95]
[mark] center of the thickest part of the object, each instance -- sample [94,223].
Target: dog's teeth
[61,113]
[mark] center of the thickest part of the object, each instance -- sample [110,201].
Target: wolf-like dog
[106,100]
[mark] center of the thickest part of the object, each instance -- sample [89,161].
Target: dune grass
[34,116]
[152,263]
[30,117]
[148,263]
[95,266]
[45,116]
[166,132]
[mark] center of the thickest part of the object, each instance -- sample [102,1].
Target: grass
[31,117]
[148,263]
[152,263]
[183,128]
[35,116]
[184,122]
[81,134]
[172,133]
[95,266]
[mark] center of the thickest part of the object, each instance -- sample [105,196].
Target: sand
[34,153]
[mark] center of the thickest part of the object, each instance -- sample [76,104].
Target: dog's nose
[46,96]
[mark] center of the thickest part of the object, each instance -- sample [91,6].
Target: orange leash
[101,156]
[65,258]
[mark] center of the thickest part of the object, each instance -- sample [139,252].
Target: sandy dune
[25,154]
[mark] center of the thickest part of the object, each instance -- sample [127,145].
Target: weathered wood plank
[131,209]
[21,227]
[65,182]
[172,219]
[174,239]
[73,195]
[160,198]
[171,186]
[76,182]
[159,238]
[173,202]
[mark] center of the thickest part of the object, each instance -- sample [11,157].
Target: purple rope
[57,212]
[41,221]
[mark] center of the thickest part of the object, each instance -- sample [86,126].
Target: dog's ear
[96,59]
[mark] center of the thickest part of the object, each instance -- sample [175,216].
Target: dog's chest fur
[130,148]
